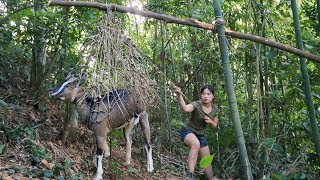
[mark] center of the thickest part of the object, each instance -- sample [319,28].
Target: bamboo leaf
[308,46]
[271,54]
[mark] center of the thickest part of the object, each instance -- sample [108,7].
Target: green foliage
[47,174]
[177,124]
[132,170]
[206,161]
[114,168]
[67,163]
[1,148]
[3,103]
[189,57]
[18,132]
[43,153]
[57,170]
[294,176]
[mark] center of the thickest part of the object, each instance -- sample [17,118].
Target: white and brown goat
[116,110]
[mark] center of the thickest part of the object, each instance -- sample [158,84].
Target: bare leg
[204,151]
[144,124]
[192,141]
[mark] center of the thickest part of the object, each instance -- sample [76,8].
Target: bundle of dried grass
[114,62]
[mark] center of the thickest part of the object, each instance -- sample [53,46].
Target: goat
[118,109]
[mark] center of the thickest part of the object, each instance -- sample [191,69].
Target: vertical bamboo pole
[244,160]
[306,82]
[318,16]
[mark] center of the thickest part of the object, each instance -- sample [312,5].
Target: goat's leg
[102,147]
[127,134]
[144,124]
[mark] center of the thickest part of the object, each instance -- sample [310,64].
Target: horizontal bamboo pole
[187,22]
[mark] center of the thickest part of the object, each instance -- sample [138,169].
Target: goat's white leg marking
[128,141]
[144,123]
[99,167]
[149,158]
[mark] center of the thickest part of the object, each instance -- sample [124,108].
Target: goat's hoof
[106,154]
[149,169]
[98,178]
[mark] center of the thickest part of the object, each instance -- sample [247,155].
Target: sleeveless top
[196,123]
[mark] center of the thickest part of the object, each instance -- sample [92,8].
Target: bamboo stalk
[244,160]
[306,82]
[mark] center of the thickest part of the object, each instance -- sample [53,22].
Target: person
[203,112]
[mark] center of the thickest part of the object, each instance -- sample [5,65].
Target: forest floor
[31,147]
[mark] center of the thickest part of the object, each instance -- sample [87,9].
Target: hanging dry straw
[114,62]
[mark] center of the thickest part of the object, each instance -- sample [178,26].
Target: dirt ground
[31,148]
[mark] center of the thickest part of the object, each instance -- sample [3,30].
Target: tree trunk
[70,122]
[38,56]
[306,82]
[71,115]
[64,39]
[244,160]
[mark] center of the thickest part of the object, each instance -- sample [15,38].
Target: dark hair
[209,87]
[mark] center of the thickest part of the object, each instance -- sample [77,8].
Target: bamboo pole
[306,82]
[187,22]
[244,160]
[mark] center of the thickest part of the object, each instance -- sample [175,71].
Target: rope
[219,22]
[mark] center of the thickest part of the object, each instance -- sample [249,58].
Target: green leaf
[303,176]
[47,174]
[57,170]
[132,170]
[279,176]
[269,141]
[67,163]
[206,161]
[2,103]
[308,46]
[36,159]
[42,107]
[1,148]
[271,54]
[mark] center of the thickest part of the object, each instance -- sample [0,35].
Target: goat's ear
[82,79]
[69,73]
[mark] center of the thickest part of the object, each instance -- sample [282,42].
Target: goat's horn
[63,85]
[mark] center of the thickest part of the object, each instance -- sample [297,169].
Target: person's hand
[208,120]
[177,90]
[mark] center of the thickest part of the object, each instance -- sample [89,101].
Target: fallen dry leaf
[6,177]
[45,163]
[32,116]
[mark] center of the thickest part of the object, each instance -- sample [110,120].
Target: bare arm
[213,122]
[183,106]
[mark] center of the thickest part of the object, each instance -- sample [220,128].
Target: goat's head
[70,89]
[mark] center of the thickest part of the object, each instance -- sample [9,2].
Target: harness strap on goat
[92,114]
